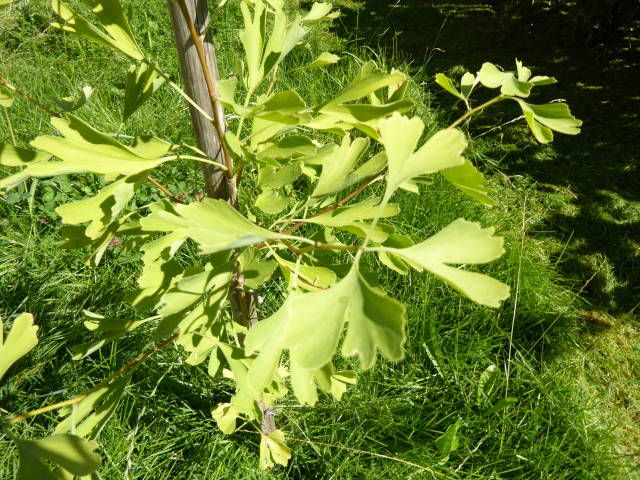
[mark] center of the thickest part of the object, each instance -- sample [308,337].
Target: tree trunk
[218,184]
[196,87]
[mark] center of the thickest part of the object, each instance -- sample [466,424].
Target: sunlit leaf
[461,242]
[142,82]
[324,59]
[213,224]
[374,322]
[273,449]
[470,181]
[278,176]
[309,277]
[225,416]
[400,136]
[544,119]
[491,77]
[72,103]
[446,83]
[271,201]
[117,34]
[81,149]
[320,11]
[20,341]
[89,416]
[337,168]
[256,271]
[6,100]
[103,208]
[70,452]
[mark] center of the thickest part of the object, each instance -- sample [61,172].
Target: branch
[477,109]
[5,83]
[163,189]
[66,403]
[337,204]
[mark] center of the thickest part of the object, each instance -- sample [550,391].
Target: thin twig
[337,204]
[9,126]
[477,109]
[5,83]
[73,401]
[163,189]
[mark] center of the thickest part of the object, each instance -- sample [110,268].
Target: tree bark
[196,87]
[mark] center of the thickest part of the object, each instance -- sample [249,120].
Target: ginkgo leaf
[324,59]
[340,115]
[467,82]
[470,181]
[491,77]
[6,100]
[85,149]
[309,277]
[337,167]
[117,34]
[70,452]
[74,102]
[461,242]
[256,271]
[306,383]
[446,83]
[400,136]
[286,107]
[357,212]
[108,329]
[225,416]
[81,149]
[278,176]
[142,82]
[369,79]
[320,11]
[103,208]
[271,201]
[291,146]
[87,417]
[544,119]
[353,218]
[273,449]
[213,224]
[21,340]
[193,302]
[12,156]
[374,322]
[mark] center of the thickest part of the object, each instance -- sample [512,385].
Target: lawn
[563,354]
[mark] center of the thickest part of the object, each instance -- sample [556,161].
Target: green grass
[568,352]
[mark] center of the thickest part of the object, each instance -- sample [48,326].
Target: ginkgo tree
[305,165]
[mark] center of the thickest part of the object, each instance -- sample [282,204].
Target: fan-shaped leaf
[20,341]
[400,136]
[461,242]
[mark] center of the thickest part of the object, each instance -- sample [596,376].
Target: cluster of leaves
[314,241]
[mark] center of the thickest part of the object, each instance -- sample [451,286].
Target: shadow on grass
[592,181]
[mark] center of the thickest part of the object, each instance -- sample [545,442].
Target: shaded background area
[591,182]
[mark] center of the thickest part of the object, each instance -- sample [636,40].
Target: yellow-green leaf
[400,136]
[461,242]
[20,341]
[117,34]
[273,449]
[70,452]
[213,224]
